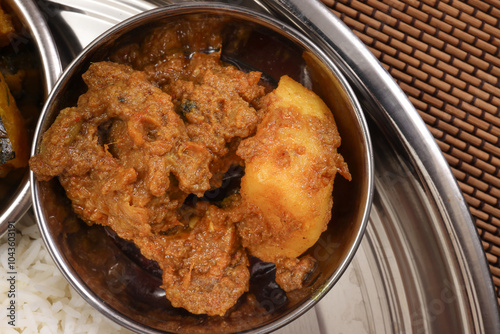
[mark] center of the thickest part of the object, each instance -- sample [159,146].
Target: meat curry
[151,134]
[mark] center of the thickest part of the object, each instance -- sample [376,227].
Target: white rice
[45,302]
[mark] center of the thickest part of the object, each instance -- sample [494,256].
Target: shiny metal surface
[445,255]
[313,68]
[77,23]
[38,30]
[89,18]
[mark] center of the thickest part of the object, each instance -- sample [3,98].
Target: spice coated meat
[142,140]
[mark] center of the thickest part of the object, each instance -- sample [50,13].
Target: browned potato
[291,164]
[15,132]
[6,28]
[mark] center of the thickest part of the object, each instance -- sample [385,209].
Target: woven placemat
[445,55]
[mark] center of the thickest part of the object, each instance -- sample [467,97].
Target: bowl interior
[32,64]
[120,287]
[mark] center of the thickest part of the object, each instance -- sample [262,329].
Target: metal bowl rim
[31,17]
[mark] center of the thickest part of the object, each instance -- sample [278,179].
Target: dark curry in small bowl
[29,66]
[183,175]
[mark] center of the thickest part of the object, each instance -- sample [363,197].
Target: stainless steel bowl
[124,292]
[35,31]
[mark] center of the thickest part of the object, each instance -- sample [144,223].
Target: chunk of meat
[215,100]
[292,272]
[205,269]
[117,151]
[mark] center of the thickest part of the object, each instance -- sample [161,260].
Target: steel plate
[420,267]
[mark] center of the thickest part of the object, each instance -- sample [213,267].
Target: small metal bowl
[120,289]
[36,36]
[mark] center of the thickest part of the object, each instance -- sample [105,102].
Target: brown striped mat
[446,56]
